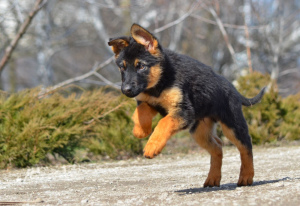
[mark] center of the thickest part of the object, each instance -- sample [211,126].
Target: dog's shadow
[229,186]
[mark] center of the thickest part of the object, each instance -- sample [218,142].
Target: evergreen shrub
[62,123]
[274,118]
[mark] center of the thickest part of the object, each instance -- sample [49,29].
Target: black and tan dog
[188,94]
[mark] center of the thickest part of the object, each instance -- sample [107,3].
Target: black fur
[205,93]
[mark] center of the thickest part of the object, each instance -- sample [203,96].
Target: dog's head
[139,60]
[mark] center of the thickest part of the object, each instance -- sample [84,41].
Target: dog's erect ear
[119,43]
[142,36]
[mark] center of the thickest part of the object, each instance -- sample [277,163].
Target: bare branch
[99,26]
[177,21]
[93,71]
[106,80]
[289,71]
[180,19]
[10,48]
[223,31]
[95,82]
[232,26]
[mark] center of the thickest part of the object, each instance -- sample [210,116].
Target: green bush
[290,127]
[62,123]
[274,118]
[99,123]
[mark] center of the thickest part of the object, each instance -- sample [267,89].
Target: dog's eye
[140,66]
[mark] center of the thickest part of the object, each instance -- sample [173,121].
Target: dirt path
[166,180]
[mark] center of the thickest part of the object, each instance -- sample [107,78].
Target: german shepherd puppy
[188,94]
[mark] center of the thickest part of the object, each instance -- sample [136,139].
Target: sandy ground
[165,180]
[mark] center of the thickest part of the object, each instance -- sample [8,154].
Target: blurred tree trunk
[133,13]
[277,51]
[40,56]
[43,29]
[175,36]
[247,19]
[99,26]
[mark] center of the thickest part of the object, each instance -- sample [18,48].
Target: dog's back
[188,94]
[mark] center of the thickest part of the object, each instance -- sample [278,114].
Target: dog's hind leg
[238,135]
[142,118]
[202,132]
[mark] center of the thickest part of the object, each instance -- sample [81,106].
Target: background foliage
[274,118]
[99,123]
[62,123]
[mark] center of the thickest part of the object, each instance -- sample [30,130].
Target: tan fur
[143,37]
[154,76]
[118,46]
[169,99]
[155,51]
[247,169]
[166,127]
[142,118]
[205,138]
[136,61]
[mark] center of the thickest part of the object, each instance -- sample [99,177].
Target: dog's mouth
[130,94]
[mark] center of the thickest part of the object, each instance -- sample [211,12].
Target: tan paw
[139,132]
[245,180]
[152,149]
[246,177]
[212,181]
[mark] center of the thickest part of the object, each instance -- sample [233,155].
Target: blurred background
[54,58]
[67,38]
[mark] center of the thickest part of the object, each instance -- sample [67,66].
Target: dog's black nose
[127,89]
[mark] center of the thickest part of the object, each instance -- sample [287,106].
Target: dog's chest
[169,99]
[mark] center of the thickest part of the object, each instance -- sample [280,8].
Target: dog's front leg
[165,128]
[142,118]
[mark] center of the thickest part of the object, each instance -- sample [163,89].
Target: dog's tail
[249,102]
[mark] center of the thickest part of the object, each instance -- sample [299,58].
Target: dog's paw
[152,149]
[245,179]
[212,181]
[246,176]
[140,132]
